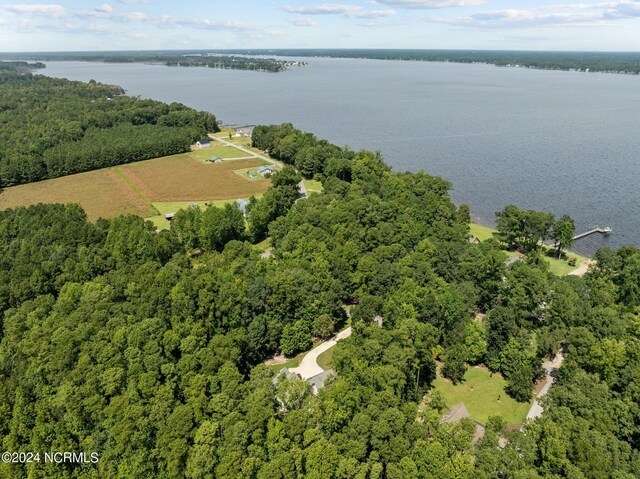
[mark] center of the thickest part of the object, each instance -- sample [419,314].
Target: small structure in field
[265,170]
[169,216]
[215,159]
[203,143]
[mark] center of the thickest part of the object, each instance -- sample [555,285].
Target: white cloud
[431,4]
[104,8]
[304,22]
[601,14]
[349,11]
[47,10]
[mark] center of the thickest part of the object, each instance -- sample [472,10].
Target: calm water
[554,141]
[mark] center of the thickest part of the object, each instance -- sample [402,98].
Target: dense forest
[611,62]
[55,127]
[147,347]
[181,59]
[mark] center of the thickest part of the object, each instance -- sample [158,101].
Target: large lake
[556,141]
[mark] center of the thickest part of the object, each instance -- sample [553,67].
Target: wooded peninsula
[172,59]
[148,347]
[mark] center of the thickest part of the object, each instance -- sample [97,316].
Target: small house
[203,143]
[214,159]
[169,216]
[265,170]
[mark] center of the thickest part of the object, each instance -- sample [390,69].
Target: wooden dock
[604,231]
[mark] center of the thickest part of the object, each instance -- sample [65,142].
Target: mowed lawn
[483,395]
[133,188]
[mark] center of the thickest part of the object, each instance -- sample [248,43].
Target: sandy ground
[582,270]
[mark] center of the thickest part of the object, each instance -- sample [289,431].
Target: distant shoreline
[627,63]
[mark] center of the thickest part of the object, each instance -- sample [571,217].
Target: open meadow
[135,188]
[483,395]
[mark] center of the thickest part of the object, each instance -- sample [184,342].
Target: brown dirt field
[180,178]
[102,194]
[130,189]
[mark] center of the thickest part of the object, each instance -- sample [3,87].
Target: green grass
[481,232]
[221,151]
[480,392]
[325,360]
[263,245]
[173,206]
[295,361]
[313,186]
[291,363]
[247,172]
[559,267]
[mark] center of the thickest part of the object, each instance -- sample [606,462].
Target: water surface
[565,142]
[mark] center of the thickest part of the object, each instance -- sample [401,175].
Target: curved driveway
[309,364]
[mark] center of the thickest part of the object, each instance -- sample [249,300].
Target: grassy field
[251,174]
[166,207]
[483,395]
[325,360]
[263,245]
[481,232]
[313,186]
[559,267]
[221,151]
[148,188]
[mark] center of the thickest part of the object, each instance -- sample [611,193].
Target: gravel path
[549,367]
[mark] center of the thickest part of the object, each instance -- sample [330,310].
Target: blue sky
[467,24]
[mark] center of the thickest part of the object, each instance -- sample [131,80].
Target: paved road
[246,150]
[549,366]
[309,364]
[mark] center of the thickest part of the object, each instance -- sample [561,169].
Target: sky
[75,25]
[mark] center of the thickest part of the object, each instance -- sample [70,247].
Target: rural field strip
[138,193]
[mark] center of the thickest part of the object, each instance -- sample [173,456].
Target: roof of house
[204,142]
[287,374]
[317,382]
[214,158]
[457,412]
[264,168]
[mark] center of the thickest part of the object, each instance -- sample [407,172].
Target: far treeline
[55,127]
[612,62]
[181,59]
